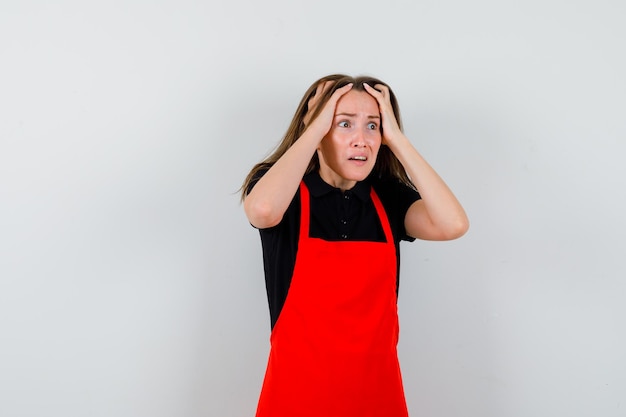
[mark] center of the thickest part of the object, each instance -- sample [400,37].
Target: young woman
[332,204]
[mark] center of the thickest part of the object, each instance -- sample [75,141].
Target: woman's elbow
[457,229]
[260,214]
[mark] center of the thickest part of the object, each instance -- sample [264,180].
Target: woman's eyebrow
[373,116]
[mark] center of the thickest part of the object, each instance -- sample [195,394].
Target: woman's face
[348,152]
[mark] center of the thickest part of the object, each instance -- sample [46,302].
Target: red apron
[333,347]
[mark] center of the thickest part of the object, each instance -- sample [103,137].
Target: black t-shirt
[335,215]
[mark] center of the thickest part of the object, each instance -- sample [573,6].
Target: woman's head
[349,150]
[386,163]
[338,81]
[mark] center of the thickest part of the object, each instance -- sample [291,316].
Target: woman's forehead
[355,102]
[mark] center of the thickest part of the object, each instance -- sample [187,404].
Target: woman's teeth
[359,158]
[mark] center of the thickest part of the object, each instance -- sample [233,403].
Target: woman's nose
[358,140]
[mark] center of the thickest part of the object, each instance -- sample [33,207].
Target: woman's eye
[372,126]
[344,124]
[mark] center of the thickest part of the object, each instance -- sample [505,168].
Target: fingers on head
[374,91]
[323,87]
[382,88]
[319,91]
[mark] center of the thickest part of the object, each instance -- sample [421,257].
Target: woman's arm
[438,215]
[268,200]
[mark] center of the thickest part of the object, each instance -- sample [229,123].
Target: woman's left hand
[391,129]
[438,214]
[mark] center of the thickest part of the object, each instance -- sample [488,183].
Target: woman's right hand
[268,200]
[324,119]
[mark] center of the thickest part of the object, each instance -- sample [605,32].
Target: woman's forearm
[439,215]
[268,200]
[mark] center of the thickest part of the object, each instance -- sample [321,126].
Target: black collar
[318,187]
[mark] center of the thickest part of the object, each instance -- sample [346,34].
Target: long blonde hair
[386,163]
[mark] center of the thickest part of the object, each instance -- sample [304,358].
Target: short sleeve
[257,176]
[396,197]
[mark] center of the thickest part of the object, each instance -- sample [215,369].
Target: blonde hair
[387,165]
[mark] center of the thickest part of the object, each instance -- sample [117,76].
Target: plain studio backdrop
[131,284]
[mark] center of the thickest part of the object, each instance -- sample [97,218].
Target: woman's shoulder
[388,187]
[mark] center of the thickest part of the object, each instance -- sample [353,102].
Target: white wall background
[131,283]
